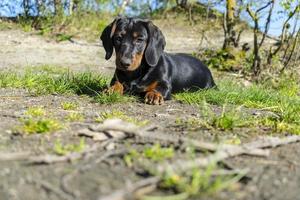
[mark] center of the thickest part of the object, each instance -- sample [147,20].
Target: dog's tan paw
[154,98]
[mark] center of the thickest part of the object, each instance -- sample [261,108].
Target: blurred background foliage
[66,19]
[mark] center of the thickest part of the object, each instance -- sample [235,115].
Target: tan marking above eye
[121,33]
[135,34]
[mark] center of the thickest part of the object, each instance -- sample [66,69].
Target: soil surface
[276,177]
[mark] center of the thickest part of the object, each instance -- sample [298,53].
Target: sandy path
[19,49]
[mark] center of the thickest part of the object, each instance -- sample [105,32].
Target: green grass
[36,122]
[195,183]
[155,153]
[62,149]
[255,96]
[229,118]
[35,111]
[4,25]
[186,185]
[38,126]
[119,115]
[43,82]
[283,100]
[73,117]
[69,105]
[87,25]
[60,37]
[52,80]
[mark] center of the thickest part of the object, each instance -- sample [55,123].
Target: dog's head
[133,40]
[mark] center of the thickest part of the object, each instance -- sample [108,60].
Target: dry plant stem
[222,154]
[83,168]
[258,44]
[283,34]
[184,165]
[295,43]
[132,130]
[47,186]
[14,156]
[51,159]
[223,172]
[272,142]
[132,190]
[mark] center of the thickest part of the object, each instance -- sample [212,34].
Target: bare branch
[267,24]
[133,131]
[14,156]
[130,191]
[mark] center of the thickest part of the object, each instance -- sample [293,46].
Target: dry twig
[51,159]
[183,165]
[131,190]
[133,131]
[83,168]
[47,186]
[14,156]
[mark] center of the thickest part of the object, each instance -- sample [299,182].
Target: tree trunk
[71,5]
[125,3]
[182,3]
[58,8]
[74,6]
[231,37]
[26,7]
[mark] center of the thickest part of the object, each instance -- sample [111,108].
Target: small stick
[51,159]
[184,165]
[66,178]
[14,156]
[51,188]
[132,130]
[130,190]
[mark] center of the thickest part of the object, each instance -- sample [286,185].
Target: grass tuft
[61,149]
[120,115]
[255,96]
[43,82]
[228,119]
[73,117]
[69,105]
[155,153]
[39,126]
[36,111]
[50,80]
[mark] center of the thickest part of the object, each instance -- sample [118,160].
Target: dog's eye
[140,40]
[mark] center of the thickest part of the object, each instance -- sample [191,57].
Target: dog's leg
[117,87]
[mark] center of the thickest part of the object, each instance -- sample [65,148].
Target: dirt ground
[276,177]
[19,49]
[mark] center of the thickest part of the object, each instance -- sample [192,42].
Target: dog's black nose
[125,62]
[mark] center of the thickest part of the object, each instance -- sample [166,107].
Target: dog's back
[189,73]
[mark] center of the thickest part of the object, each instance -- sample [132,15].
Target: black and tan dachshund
[142,66]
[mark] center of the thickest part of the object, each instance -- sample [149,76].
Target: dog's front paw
[154,98]
[117,87]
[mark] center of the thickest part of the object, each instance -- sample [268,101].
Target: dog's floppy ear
[107,40]
[156,44]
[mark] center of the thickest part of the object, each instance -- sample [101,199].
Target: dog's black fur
[142,66]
